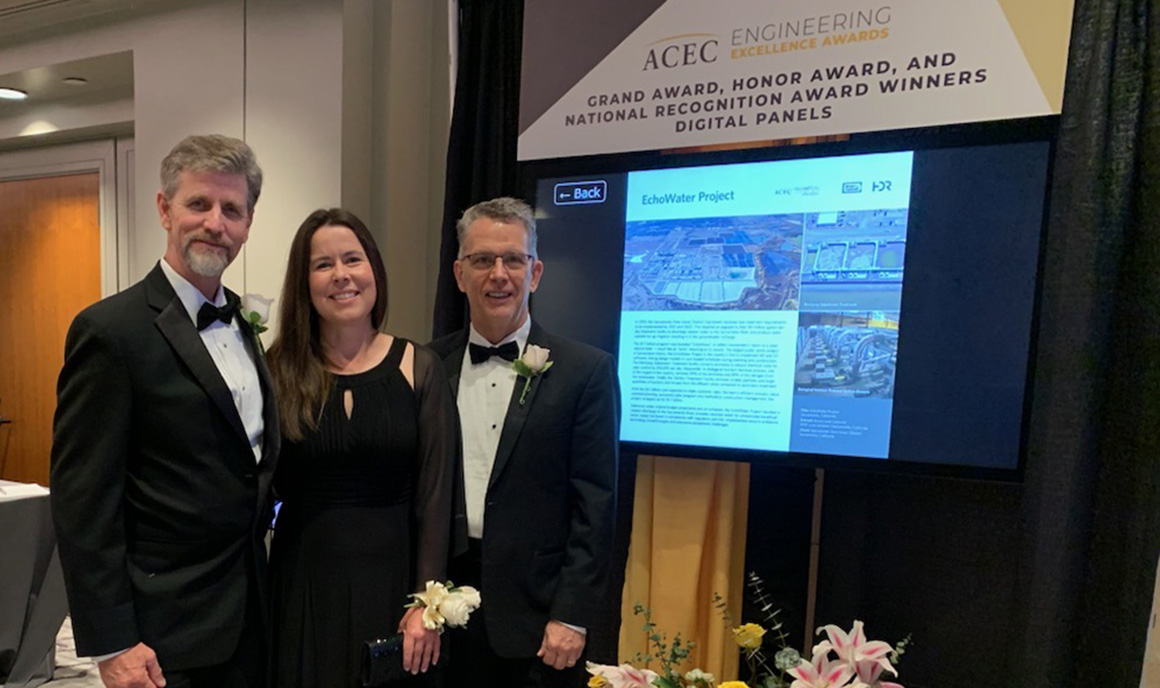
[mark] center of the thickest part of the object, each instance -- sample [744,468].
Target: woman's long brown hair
[301,380]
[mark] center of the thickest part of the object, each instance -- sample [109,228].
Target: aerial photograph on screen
[722,263]
[853,260]
[846,354]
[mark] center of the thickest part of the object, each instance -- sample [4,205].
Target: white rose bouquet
[446,604]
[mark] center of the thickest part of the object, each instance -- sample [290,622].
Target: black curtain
[1107,215]
[481,152]
[481,164]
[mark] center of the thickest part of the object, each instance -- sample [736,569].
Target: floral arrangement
[860,660]
[256,311]
[445,604]
[534,362]
[669,655]
[845,659]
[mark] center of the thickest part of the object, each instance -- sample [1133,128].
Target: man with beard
[164,441]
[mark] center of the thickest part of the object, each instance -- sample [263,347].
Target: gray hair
[503,209]
[212,153]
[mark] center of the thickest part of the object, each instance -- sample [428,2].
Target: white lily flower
[853,648]
[822,672]
[623,676]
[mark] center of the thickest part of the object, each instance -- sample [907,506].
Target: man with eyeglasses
[539,465]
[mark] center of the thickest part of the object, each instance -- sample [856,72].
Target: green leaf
[521,368]
[664,683]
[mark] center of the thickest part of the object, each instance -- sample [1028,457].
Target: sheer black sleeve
[439,447]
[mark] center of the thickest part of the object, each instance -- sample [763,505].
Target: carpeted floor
[71,671]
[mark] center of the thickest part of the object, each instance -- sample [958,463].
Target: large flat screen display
[875,306]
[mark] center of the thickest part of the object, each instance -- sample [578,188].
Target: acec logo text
[682,51]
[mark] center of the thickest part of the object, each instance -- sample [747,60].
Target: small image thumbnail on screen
[853,260]
[846,354]
[855,246]
[724,263]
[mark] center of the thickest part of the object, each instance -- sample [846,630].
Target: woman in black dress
[370,434]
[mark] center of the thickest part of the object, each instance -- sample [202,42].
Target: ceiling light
[39,127]
[12,94]
[74,81]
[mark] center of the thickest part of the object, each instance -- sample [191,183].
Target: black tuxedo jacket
[551,500]
[160,508]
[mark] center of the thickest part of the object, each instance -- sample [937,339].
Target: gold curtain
[688,541]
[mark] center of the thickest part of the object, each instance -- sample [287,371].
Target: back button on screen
[572,193]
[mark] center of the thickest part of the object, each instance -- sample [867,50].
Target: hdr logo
[574,193]
[682,51]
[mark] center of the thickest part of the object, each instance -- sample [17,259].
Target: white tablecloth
[32,597]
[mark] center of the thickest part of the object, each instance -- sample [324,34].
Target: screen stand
[815,550]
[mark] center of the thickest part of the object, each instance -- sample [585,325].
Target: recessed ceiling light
[74,81]
[39,127]
[12,94]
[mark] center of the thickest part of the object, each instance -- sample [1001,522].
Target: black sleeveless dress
[365,518]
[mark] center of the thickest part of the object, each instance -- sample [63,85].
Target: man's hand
[561,646]
[137,667]
[420,646]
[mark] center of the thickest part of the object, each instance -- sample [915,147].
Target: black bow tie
[508,352]
[209,313]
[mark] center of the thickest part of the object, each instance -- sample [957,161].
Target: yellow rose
[737,684]
[748,636]
[597,682]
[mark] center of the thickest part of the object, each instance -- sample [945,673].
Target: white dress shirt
[485,390]
[226,345]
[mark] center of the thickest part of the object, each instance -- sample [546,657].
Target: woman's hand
[420,646]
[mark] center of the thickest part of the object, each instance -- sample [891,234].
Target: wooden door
[50,269]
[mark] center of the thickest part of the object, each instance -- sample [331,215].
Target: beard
[206,262]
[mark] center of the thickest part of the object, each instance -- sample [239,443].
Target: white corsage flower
[470,594]
[456,608]
[445,604]
[534,362]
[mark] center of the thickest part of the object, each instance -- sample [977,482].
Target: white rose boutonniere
[256,311]
[446,605]
[534,362]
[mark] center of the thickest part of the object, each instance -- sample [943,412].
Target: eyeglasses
[513,262]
